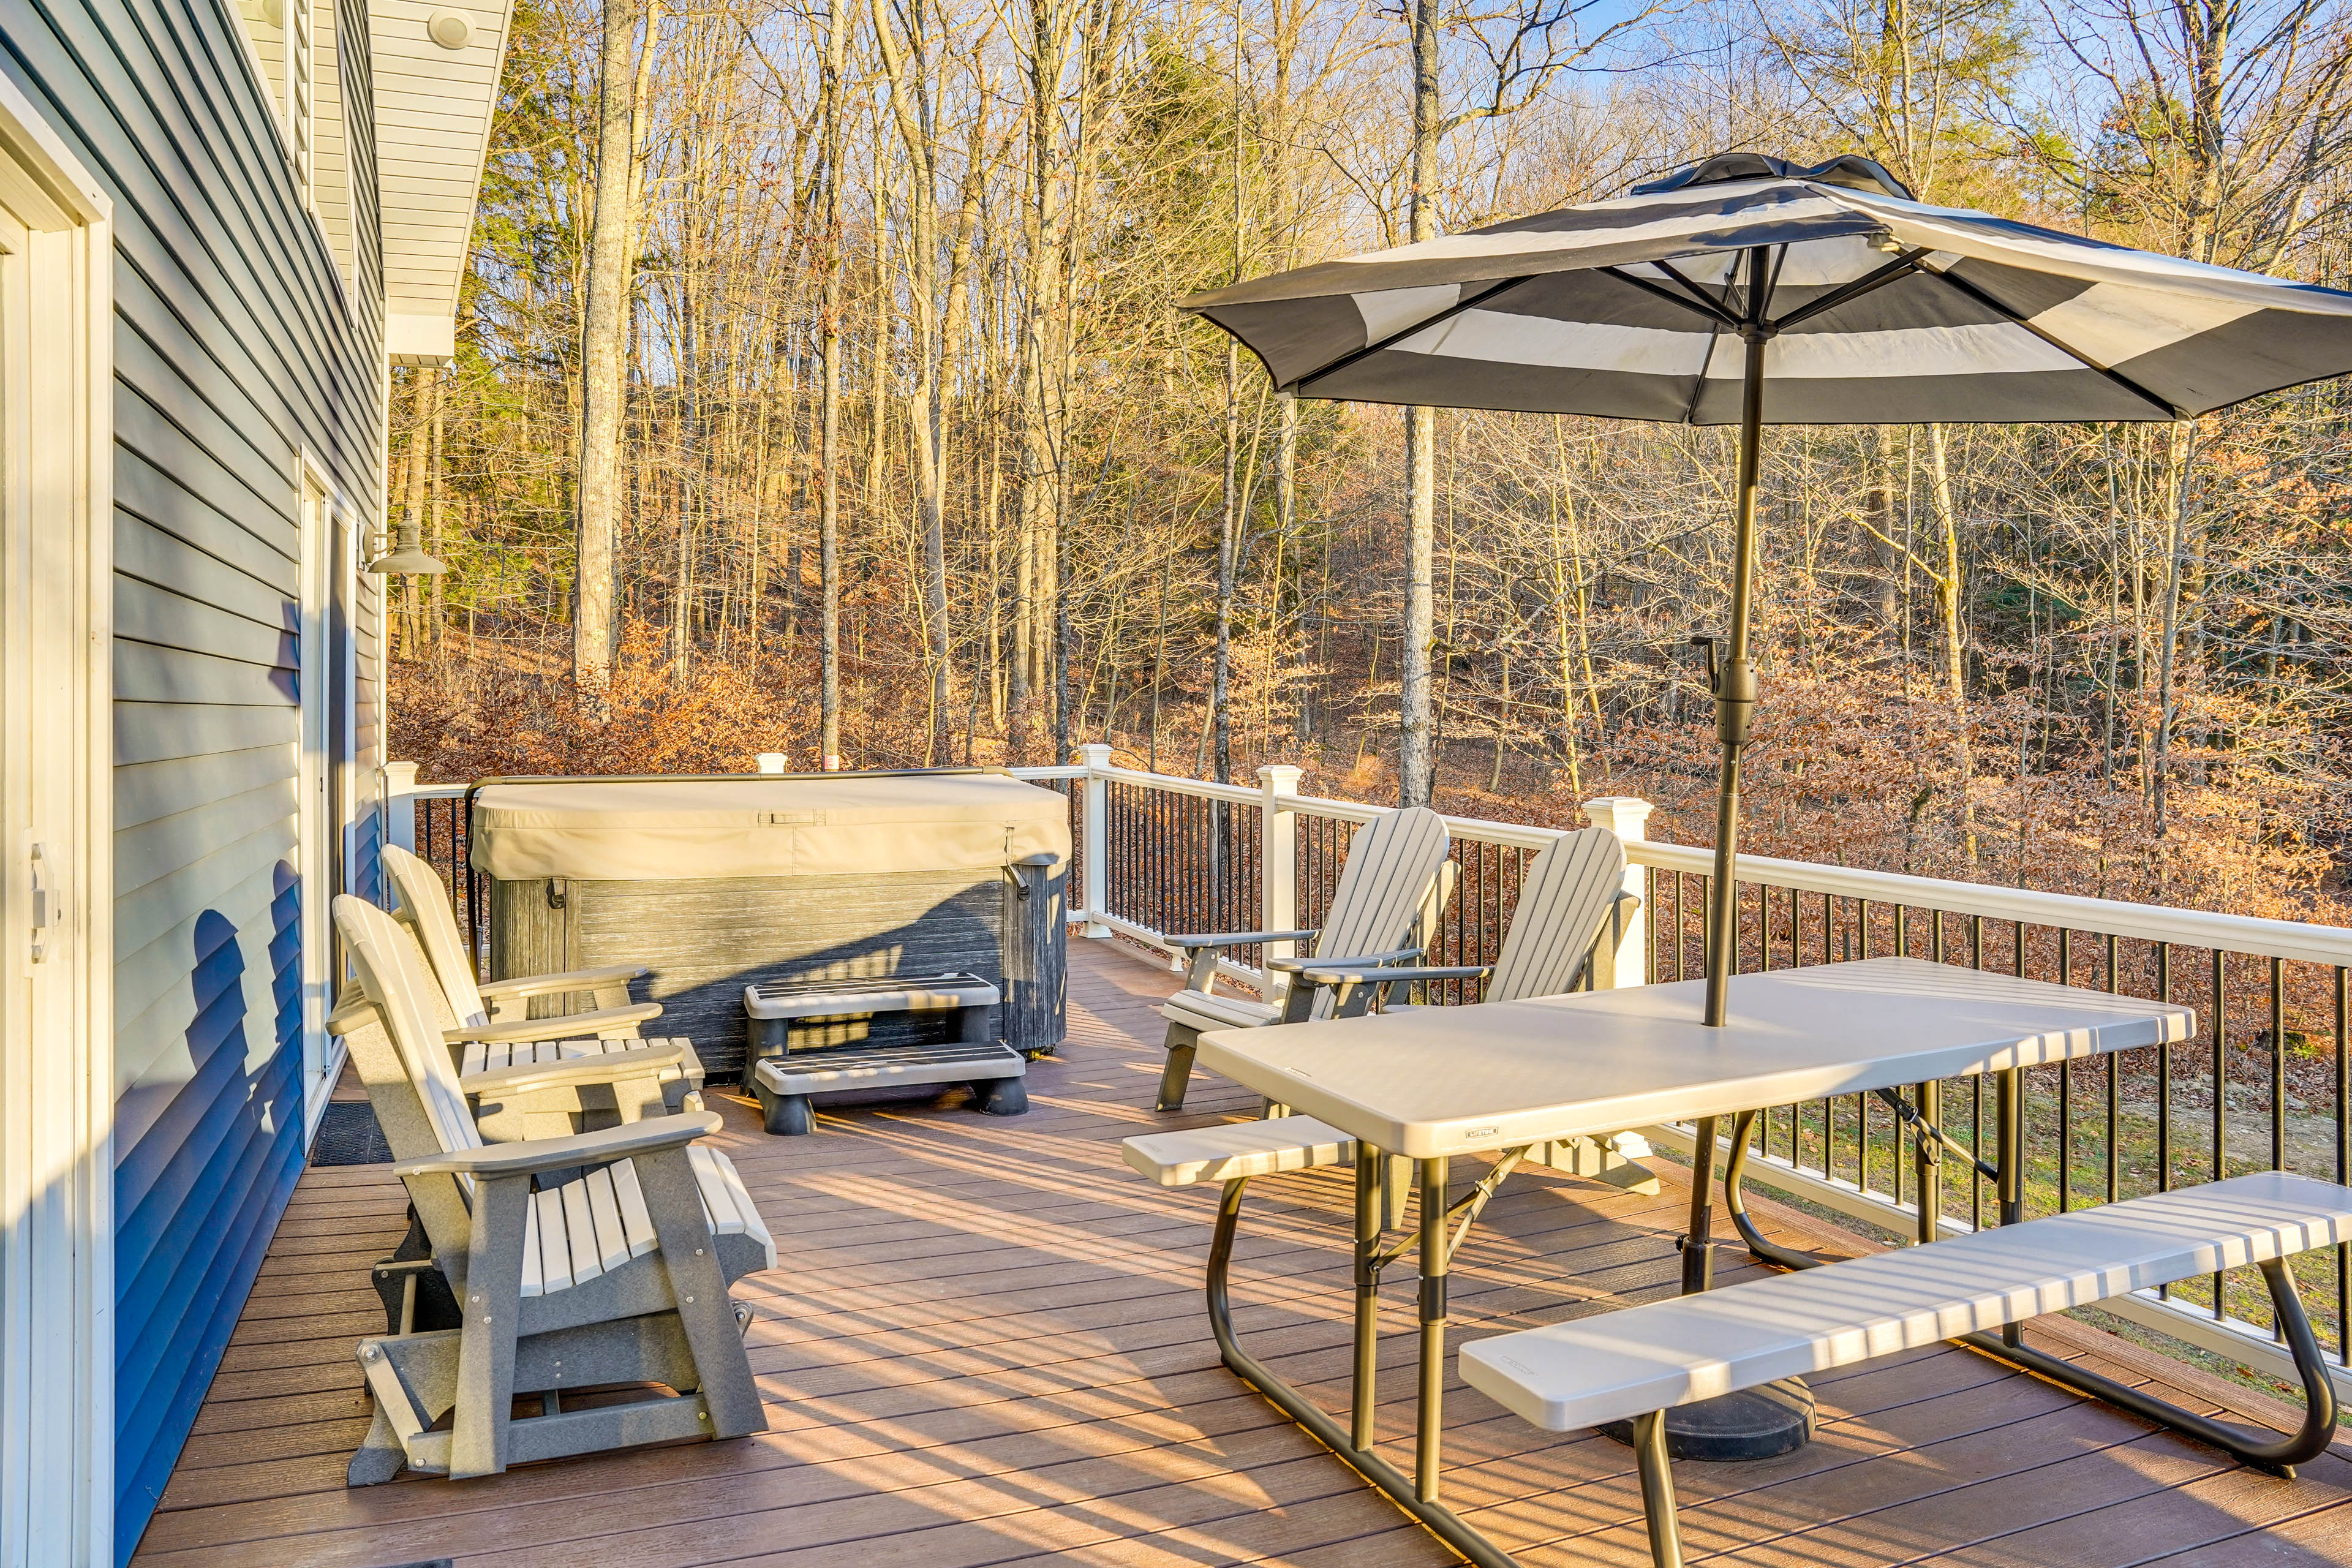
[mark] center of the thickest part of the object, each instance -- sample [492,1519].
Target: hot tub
[718,883]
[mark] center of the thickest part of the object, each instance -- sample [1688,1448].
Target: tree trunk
[1949,605]
[595,630]
[1414,758]
[2183,458]
[828,526]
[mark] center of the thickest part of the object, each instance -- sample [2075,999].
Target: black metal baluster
[1976,1081]
[2115,1096]
[2278,1064]
[2065,1087]
[2221,1096]
[2343,1165]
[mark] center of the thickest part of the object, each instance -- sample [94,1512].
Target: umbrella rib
[1697,304]
[1447,315]
[2126,382]
[1901,266]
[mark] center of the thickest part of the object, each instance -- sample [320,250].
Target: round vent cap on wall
[450,29]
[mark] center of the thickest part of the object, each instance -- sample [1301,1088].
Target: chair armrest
[1236,938]
[1343,961]
[1624,897]
[612,1067]
[1388,974]
[352,1012]
[527,985]
[647,1137]
[572,1027]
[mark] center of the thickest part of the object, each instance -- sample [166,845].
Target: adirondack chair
[1377,916]
[488,1024]
[616,1276]
[1571,899]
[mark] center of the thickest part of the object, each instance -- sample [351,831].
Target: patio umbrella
[1744,289]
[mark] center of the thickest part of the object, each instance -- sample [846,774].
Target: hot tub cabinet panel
[706,937]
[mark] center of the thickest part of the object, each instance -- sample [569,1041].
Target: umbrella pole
[1735,703]
[1734,699]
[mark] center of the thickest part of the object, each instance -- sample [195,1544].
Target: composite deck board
[986,1346]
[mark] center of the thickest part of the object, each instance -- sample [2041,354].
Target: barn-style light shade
[407,558]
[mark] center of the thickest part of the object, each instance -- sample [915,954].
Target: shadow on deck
[985,1343]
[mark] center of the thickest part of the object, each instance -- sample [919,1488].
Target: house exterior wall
[243,349]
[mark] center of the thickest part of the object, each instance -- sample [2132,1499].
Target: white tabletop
[1452,1081]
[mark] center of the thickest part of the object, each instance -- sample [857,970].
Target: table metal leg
[1434,1174]
[1735,1200]
[1432,1515]
[1929,1157]
[2008,1112]
[1698,1255]
[1368,1198]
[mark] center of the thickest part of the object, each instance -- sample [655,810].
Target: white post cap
[1623,814]
[1280,778]
[773,763]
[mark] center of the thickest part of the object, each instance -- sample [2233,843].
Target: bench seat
[1636,1363]
[1237,1148]
[1613,1365]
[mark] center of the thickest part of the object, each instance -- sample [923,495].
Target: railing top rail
[435,792]
[2294,939]
[1074,771]
[1239,794]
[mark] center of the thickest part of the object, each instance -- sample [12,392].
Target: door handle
[44,906]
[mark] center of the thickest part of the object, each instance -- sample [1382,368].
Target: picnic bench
[1636,1364]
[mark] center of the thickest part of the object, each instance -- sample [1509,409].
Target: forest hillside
[822,387]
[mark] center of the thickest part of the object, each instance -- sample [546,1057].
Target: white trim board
[56,1068]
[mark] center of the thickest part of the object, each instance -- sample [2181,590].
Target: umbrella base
[1760,1423]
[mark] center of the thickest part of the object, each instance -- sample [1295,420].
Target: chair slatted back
[1564,897]
[393,972]
[425,905]
[1389,892]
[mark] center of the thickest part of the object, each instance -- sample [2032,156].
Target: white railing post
[1094,850]
[1627,817]
[400,803]
[1277,854]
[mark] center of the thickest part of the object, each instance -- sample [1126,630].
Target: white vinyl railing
[1160,855]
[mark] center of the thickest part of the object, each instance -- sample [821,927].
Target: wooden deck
[986,1346]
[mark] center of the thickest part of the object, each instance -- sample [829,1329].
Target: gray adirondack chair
[1571,899]
[617,1276]
[489,1026]
[1378,915]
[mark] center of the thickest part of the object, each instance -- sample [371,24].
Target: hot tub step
[784,1083]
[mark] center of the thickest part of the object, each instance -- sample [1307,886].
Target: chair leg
[492,1304]
[380,1457]
[1657,1490]
[1184,1041]
[699,1293]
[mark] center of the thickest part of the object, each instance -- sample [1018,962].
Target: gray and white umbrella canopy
[1879,309]
[1743,290]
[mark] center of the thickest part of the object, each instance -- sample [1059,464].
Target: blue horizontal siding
[238,353]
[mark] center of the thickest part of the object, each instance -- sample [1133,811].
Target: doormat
[347,1135]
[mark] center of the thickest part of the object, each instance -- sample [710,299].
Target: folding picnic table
[1437,1082]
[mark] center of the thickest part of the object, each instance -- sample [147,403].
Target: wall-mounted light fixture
[450,29]
[406,559]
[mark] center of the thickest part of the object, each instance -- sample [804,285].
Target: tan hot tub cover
[685,830]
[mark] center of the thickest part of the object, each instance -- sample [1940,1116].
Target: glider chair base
[414,1379]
